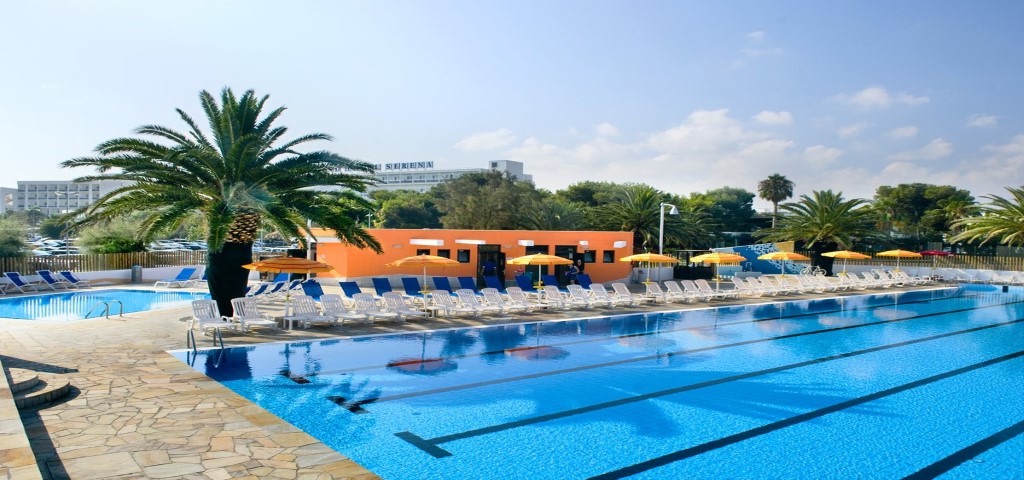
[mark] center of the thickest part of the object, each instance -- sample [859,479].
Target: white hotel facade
[56,197]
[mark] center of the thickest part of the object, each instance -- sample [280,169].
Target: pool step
[32,389]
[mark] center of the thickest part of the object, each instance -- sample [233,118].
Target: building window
[422,251]
[444,252]
[589,256]
[609,256]
[463,256]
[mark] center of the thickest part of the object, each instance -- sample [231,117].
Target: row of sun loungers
[46,280]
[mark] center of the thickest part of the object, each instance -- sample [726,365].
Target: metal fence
[110,261]
[963,262]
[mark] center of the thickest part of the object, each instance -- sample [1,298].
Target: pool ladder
[106,308]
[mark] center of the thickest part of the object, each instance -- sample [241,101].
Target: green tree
[553,213]
[636,209]
[914,212]
[238,178]
[489,200]
[54,227]
[12,237]
[775,189]
[823,221]
[113,236]
[1001,220]
[590,193]
[405,209]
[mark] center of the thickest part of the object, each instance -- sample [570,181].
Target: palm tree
[824,221]
[237,179]
[553,213]
[1002,219]
[637,209]
[775,189]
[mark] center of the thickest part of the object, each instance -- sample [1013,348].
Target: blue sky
[685,96]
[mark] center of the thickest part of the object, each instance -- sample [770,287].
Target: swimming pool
[884,386]
[76,304]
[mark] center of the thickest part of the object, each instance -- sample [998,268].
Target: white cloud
[979,120]
[879,97]
[903,132]
[821,156]
[486,141]
[774,118]
[934,150]
[852,130]
[756,36]
[762,52]
[607,130]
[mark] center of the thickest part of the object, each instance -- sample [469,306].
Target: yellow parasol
[288,265]
[718,257]
[791,256]
[846,255]
[540,259]
[898,254]
[423,261]
[649,258]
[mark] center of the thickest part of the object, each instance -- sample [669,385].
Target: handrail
[106,309]
[120,308]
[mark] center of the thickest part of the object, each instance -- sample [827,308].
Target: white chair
[247,314]
[516,296]
[623,295]
[367,305]
[553,297]
[206,317]
[493,297]
[711,293]
[334,306]
[304,310]
[654,291]
[442,302]
[689,286]
[578,296]
[675,293]
[395,302]
[468,299]
[746,287]
[601,295]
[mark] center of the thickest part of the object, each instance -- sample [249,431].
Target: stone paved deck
[137,412]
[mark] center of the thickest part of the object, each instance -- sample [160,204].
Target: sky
[686,96]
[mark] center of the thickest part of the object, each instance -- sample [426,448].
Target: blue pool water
[921,383]
[76,304]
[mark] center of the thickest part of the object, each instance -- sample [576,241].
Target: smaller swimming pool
[80,304]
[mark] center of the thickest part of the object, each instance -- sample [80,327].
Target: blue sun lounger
[74,280]
[183,279]
[20,283]
[51,281]
[350,288]
[494,282]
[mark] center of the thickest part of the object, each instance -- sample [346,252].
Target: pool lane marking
[580,368]
[771,427]
[967,453]
[434,450]
[670,330]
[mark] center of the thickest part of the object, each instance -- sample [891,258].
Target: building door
[564,251]
[490,262]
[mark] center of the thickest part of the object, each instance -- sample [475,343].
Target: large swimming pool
[915,385]
[79,304]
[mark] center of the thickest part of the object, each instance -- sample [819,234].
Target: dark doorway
[564,251]
[490,262]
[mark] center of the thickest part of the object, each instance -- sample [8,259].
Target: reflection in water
[423,365]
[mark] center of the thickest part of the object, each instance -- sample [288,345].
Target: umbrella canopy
[289,265]
[423,261]
[540,352]
[792,256]
[540,259]
[898,254]
[649,257]
[422,366]
[718,257]
[846,255]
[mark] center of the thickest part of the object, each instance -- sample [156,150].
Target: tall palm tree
[1002,219]
[824,221]
[775,189]
[636,209]
[237,179]
[553,213]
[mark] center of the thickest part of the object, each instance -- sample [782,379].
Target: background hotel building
[54,197]
[421,176]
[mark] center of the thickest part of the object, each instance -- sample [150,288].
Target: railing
[110,261]
[963,262]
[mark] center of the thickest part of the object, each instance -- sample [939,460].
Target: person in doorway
[487,269]
[571,272]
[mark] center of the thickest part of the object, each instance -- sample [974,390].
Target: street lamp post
[661,224]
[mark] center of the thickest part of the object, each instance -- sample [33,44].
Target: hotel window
[463,256]
[444,252]
[422,251]
[589,256]
[609,256]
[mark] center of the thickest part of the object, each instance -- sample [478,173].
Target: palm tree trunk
[775,213]
[225,274]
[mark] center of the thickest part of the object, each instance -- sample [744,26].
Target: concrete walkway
[137,412]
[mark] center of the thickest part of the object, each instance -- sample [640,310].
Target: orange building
[475,250]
